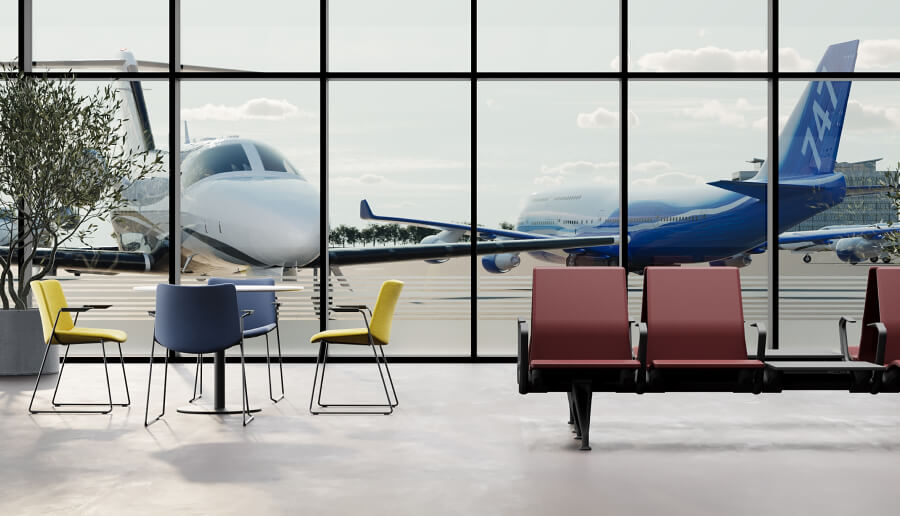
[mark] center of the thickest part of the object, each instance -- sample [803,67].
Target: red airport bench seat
[692,332]
[580,338]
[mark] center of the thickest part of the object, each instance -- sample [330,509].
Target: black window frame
[175,75]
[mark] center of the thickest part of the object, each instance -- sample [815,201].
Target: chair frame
[322,357]
[198,373]
[246,416]
[77,311]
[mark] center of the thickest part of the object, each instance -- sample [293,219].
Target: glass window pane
[248,220]
[139,227]
[808,28]
[548,156]
[270,35]
[404,147]
[823,279]
[697,36]
[399,35]
[97,30]
[536,35]
[690,136]
[9,31]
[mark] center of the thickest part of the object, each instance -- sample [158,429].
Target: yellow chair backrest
[46,320]
[383,314]
[54,300]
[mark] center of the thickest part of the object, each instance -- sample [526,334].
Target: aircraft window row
[657,218]
[215,160]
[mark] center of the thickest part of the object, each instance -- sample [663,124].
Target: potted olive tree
[63,167]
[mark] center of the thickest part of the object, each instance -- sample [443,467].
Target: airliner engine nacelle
[856,249]
[444,237]
[738,260]
[500,263]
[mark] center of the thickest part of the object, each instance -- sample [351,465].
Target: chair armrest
[522,357]
[882,340]
[99,307]
[842,333]
[357,307]
[346,309]
[246,313]
[642,344]
[761,338]
[151,313]
[631,322]
[76,309]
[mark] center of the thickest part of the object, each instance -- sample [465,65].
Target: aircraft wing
[365,213]
[357,256]
[872,232]
[103,260]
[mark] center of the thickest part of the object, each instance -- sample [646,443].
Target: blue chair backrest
[201,319]
[262,303]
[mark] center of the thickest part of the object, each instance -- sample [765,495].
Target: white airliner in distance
[243,206]
[850,250]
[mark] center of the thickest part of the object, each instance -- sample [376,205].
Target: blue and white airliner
[722,222]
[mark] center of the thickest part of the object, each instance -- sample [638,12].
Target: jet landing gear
[807,258]
[580,260]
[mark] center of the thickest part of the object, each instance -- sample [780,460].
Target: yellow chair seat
[81,335]
[348,336]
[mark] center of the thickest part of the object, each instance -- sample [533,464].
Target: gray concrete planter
[22,344]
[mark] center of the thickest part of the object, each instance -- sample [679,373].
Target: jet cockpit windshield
[234,157]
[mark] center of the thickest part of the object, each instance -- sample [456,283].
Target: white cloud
[731,115]
[579,171]
[668,180]
[604,118]
[365,179]
[652,166]
[878,53]
[763,123]
[789,60]
[254,109]
[715,59]
[866,116]
[579,167]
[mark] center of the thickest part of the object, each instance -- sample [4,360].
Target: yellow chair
[59,329]
[376,334]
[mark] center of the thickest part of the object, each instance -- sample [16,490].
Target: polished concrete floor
[461,442]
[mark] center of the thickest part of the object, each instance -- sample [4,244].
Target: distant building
[865,209]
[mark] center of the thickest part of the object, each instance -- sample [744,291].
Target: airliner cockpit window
[216,160]
[274,161]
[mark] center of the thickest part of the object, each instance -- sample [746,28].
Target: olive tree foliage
[891,182]
[64,166]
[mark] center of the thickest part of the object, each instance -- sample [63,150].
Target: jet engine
[738,260]
[444,237]
[857,249]
[500,263]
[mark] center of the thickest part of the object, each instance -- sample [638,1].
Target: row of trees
[373,234]
[343,235]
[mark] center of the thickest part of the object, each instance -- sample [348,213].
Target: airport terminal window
[217,160]
[545,116]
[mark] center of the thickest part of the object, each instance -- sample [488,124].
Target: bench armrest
[842,333]
[761,338]
[882,340]
[522,357]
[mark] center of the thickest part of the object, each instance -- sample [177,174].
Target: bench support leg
[581,395]
[571,408]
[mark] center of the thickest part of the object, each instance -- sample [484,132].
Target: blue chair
[197,320]
[262,322]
